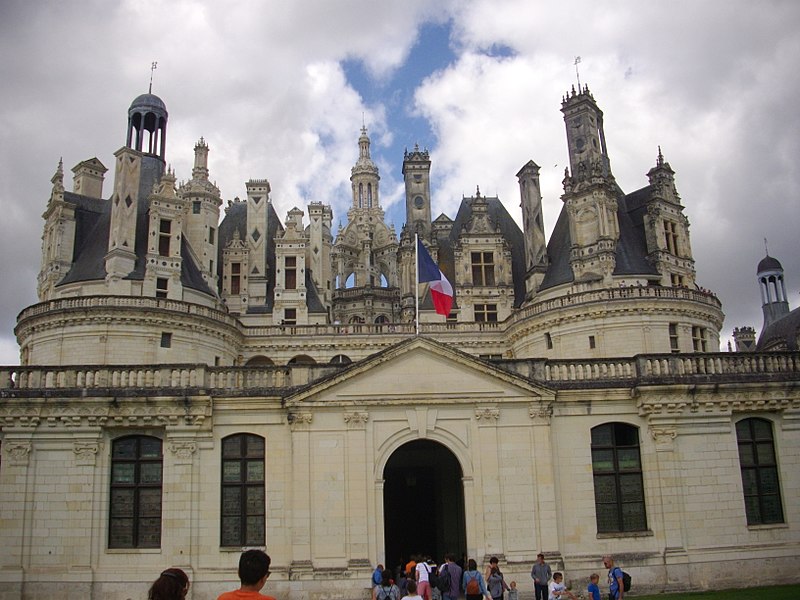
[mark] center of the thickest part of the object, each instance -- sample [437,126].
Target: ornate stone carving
[299,420]
[487,413]
[183,450]
[17,452]
[663,437]
[541,412]
[356,419]
[86,452]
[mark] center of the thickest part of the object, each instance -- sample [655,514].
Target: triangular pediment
[419,371]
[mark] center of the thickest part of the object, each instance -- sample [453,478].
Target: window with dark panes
[164,234]
[236,277]
[243,491]
[618,483]
[482,268]
[135,501]
[485,312]
[290,272]
[762,490]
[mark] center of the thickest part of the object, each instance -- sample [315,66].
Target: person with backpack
[450,578]
[386,590]
[495,583]
[616,579]
[472,582]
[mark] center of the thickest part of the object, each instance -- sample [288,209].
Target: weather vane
[577,73]
[153,67]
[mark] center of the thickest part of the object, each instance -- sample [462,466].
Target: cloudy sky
[279,89]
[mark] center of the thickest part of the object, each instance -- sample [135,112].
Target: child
[512,591]
[594,589]
[558,591]
[253,573]
[412,591]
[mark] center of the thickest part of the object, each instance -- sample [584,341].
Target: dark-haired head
[472,565]
[172,584]
[253,566]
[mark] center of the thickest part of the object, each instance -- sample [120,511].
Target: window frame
[626,521]
[482,263]
[755,514]
[485,313]
[244,486]
[137,487]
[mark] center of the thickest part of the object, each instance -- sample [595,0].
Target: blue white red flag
[441,290]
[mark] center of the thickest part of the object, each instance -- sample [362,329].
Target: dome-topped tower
[147,125]
[773,290]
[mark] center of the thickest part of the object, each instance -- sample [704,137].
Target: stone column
[544,492]
[15,489]
[357,493]
[489,446]
[300,565]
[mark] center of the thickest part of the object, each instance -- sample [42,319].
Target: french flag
[429,272]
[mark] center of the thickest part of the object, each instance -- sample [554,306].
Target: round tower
[774,303]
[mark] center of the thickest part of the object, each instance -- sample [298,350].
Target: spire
[200,170]
[57,194]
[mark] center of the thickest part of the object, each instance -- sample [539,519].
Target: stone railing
[612,294]
[645,369]
[121,302]
[179,376]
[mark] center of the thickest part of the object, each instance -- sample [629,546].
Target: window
[762,492]
[548,341]
[243,496]
[162,287]
[166,339]
[196,207]
[290,272]
[699,341]
[677,280]
[618,484]
[673,338]
[482,268]
[290,316]
[592,343]
[164,228]
[236,277]
[212,234]
[671,237]
[485,312]
[135,501]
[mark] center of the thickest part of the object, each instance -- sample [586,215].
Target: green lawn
[781,592]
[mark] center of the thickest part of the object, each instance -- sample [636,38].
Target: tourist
[386,589]
[472,582]
[541,574]
[172,584]
[594,589]
[422,577]
[557,590]
[412,591]
[495,583]
[513,593]
[454,573]
[616,589]
[253,574]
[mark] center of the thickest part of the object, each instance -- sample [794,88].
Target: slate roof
[92,226]
[631,255]
[785,330]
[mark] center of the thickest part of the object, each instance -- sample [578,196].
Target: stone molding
[182,450]
[356,419]
[86,452]
[299,420]
[719,403]
[541,413]
[18,452]
[663,437]
[487,414]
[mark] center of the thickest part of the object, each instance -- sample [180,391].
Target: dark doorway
[423,503]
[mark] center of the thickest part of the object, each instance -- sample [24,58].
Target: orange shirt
[240,595]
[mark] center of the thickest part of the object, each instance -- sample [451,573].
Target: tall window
[243,496]
[699,341]
[290,272]
[671,237]
[762,491]
[290,316]
[164,228]
[618,485]
[482,268]
[673,338]
[485,312]
[135,504]
[236,277]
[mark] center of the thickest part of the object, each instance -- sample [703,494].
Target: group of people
[173,584]
[452,581]
[423,579]
[550,586]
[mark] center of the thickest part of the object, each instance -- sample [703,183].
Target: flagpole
[416,284]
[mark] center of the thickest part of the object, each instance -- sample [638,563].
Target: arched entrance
[423,503]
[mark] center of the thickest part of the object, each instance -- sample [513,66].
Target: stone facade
[191,386]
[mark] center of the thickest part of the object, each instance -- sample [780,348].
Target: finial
[660,161]
[153,67]
[766,248]
[577,73]
[477,191]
